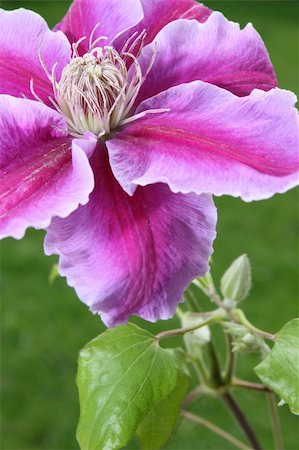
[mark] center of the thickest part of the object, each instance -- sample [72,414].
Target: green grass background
[43,327]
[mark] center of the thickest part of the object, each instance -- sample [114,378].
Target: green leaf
[158,426]
[122,374]
[280,370]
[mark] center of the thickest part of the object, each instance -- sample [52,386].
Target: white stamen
[91,41]
[142,114]
[94,92]
[37,98]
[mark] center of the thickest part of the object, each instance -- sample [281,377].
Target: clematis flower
[118,126]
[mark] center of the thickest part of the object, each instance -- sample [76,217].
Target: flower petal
[112,17]
[23,34]
[43,174]
[216,51]
[211,141]
[133,255]
[158,13]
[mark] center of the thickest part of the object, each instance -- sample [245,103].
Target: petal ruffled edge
[108,18]
[211,141]
[216,51]
[43,172]
[24,34]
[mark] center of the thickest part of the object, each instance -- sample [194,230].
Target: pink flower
[116,130]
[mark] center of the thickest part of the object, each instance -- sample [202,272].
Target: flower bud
[53,273]
[243,340]
[197,338]
[248,343]
[236,282]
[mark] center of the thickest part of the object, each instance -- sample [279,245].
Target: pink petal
[112,16]
[158,13]
[133,255]
[22,34]
[43,174]
[211,141]
[194,10]
[216,51]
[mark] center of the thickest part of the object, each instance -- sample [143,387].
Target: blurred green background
[43,327]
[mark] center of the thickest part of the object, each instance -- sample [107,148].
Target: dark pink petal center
[34,174]
[133,255]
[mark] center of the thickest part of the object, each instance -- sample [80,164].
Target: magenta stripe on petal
[133,255]
[43,174]
[211,141]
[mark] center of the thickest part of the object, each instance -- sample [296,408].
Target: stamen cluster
[90,89]
[95,92]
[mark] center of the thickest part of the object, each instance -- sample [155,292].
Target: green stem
[241,419]
[193,395]
[201,370]
[241,318]
[216,298]
[210,291]
[215,429]
[182,331]
[191,302]
[249,386]
[216,377]
[276,427]
[231,360]
[179,313]
[198,363]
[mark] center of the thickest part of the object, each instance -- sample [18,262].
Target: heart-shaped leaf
[280,370]
[122,374]
[157,427]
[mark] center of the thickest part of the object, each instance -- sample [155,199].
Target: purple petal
[158,13]
[216,51]
[211,141]
[22,34]
[43,174]
[194,10]
[133,255]
[112,17]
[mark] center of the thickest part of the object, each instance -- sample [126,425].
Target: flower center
[97,91]
[91,93]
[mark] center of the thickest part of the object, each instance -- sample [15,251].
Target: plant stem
[202,371]
[215,366]
[215,298]
[240,316]
[241,419]
[193,395]
[180,331]
[179,312]
[205,423]
[249,386]
[231,360]
[210,291]
[191,302]
[276,427]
